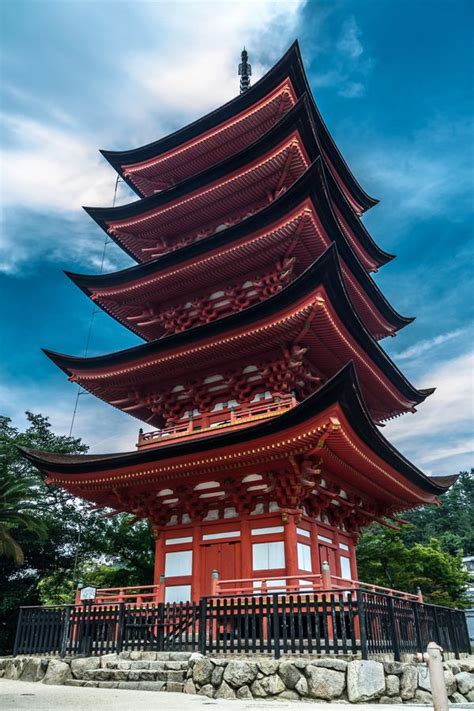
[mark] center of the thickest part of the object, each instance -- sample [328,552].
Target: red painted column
[291,556]
[196,579]
[245,549]
[159,568]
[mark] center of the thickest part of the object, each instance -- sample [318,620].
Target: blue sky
[392,82]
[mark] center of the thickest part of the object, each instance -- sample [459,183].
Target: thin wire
[94,311]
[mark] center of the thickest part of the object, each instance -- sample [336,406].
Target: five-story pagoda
[261,371]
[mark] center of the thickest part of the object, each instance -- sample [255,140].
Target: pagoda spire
[245,72]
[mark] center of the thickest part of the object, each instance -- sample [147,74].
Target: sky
[392,80]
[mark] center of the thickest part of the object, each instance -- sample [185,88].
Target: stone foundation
[329,679]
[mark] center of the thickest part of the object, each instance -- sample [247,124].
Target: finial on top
[245,72]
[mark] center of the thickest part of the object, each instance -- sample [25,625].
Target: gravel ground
[27,696]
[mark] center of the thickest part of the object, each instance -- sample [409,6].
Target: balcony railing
[230,418]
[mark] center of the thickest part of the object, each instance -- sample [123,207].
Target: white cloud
[440,433]
[350,67]
[349,42]
[51,165]
[426,346]
[426,173]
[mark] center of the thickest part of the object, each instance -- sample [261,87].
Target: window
[179,563]
[177,593]
[272,585]
[223,534]
[325,539]
[303,532]
[267,556]
[269,530]
[177,541]
[304,557]
[345,568]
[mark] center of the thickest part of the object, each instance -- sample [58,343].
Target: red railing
[228,417]
[287,584]
[136,595]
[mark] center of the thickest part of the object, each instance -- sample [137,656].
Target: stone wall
[327,678]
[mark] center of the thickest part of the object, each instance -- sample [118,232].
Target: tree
[78,543]
[452,523]
[385,559]
[18,510]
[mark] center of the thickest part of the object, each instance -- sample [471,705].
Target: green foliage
[452,523]
[385,559]
[76,542]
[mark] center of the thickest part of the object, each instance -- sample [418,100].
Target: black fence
[331,622]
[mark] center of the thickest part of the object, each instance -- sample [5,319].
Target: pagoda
[260,383]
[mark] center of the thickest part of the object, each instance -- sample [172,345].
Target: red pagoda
[260,383]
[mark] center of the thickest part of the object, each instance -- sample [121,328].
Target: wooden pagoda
[260,377]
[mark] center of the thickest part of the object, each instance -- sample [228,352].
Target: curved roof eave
[312,181]
[325,271]
[343,389]
[295,119]
[291,64]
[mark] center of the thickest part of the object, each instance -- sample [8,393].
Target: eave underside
[301,460]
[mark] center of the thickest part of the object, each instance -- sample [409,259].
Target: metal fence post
[202,625]
[120,627]
[65,631]
[276,627]
[394,628]
[18,631]
[364,650]
[161,627]
[452,634]
[416,619]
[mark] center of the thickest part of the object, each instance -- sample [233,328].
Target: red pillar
[291,557]
[159,568]
[246,570]
[196,578]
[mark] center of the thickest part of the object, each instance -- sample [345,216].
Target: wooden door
[329,554]
[223,557]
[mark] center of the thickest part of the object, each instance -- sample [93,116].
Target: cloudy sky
[392,81]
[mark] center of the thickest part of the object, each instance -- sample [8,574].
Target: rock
[453,666]
[195,656]
[257,689]
[244,692]
[34,669]
[392,685]
[408,682]
[450,682]
[219,662]
[139,664]
[290,674]
[289,694]
[267,666]
[466,665]
[239,673]
[78,666]
[423,697]
[465,682]
[109,658]
[424,678]
[365,680]
[189,687]
[170,665]
[457,698]
[107,684]
[207,690]
[74,682]
[272,684]
[394,668]
[225,691]
[57,672]
[202,671]
[328,663]
[174,686]
[470,696]
[302,686]
[157,666]
[216,677]
[390,700]
[179,656]
[14,668]
[3,662]
[325,683]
